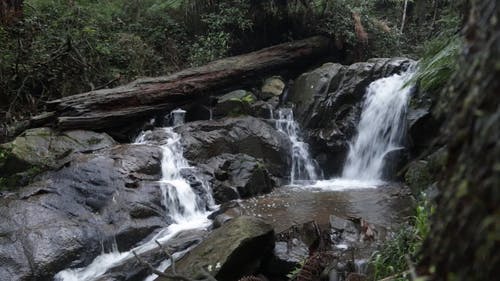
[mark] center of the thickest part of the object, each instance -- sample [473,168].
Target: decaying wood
[142,98]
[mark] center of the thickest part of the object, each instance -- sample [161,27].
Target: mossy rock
[422,174]
[230,252]
[43,149]
[273,86]
[235,103]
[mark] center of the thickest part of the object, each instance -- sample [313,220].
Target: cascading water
[183,205]
[381,128]
[303,167]
[380,131]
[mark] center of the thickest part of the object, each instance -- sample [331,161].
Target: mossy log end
[109,108]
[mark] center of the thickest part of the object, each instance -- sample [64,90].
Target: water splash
[381,129]
[186,208]
[303,166]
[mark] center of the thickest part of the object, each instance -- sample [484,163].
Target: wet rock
[421,174]
[423,125]
[394,161]
[312,85]
[263,109]
[344,230]
[272,87]
[45,149]
[61,220]
[203,140]
[241,244]
[329,101]
[238,176]
[292,247]
[225,213]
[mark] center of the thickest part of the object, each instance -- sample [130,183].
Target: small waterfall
[381,128]
[186,208]
[303,167]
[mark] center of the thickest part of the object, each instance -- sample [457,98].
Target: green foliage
[228,19]
[296,270]
[392,258]
[64,47]
[439,62]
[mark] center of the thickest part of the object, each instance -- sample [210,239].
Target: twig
[174,275]
[172,261]
[160,273]
[392,277]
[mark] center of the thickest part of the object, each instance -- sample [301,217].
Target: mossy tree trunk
[464,241]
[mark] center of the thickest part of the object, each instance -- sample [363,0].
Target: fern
[439,62]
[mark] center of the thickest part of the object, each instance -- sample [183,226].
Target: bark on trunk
[464,241]
[142,98]
[10,11]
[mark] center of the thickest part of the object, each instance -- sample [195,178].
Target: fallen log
[143,98]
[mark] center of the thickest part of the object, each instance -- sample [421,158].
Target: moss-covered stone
[231,251]
[421,174]
[273,86]
[418,177]
[235,103]
[43,148]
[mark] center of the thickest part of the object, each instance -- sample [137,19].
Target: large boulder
[64,219]
[203,140]
[329,101]
[236,249]
[42,149]
[234,176]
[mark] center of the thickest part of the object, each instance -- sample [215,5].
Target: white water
[303,167]
[182,204]
[381,130]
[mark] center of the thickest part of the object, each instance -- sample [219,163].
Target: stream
[360,192]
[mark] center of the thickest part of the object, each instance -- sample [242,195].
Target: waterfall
[186,208]
[303,167]
[381,128]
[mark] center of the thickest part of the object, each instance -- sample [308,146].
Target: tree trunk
[404,16]
[464,241]
[10,11]
[143,98]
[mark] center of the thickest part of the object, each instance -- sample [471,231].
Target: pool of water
[386,205]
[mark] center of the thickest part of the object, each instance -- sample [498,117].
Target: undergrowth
[402,250]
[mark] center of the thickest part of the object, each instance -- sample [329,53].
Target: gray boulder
[230,252]
[65,218]
[236,176]
[203,140]
[41,149]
